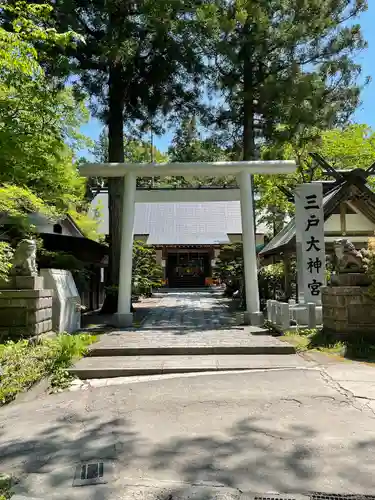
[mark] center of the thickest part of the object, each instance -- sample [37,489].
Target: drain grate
[276,497]
[90,473]
[307,496]
[338,496]
[273,496]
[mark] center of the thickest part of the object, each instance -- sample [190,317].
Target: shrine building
[187,236]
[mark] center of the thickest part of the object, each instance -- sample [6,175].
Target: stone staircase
[150,351]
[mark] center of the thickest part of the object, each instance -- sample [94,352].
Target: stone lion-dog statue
[24,259]
[347,259]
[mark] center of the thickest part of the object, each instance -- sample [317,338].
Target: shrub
[5,486]
[369,264]
[147,274]
[229,266]
[271,280]
[6,254]
[23,364]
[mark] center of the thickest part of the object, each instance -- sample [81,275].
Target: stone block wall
[25,313]
[348,310]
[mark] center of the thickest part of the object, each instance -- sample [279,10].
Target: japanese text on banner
[311,234]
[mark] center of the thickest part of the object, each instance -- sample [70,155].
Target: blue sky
[364,114]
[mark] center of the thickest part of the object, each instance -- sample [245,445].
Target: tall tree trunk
[248,114]
[115,124]
[248,137]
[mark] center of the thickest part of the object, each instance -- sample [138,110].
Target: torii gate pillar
[253,316]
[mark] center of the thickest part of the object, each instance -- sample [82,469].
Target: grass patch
[5,486]
[23,364]
[357,348]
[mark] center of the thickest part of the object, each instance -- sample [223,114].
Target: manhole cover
[90,473]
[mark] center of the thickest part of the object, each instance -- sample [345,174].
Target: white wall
[187,195]
[43,225]
[354,222]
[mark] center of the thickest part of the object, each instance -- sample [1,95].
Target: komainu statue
[24,259]
[347,259]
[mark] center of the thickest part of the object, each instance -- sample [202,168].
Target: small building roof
[358,194]
[184,223]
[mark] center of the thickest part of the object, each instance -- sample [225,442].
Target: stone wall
[348,310]
[25,313]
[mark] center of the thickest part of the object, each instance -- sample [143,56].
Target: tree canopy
[284,62]
[39,123]
[349,147]
[237,79]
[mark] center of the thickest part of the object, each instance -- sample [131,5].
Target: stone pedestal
[350,279]
[23,283]
[348,310]
[25,313]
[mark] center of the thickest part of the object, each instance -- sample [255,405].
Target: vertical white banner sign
[310,248]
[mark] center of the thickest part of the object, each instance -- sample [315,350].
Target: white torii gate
[241,169]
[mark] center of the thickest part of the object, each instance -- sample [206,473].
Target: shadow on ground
[287,460]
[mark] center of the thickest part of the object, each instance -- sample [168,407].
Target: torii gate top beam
[187,169]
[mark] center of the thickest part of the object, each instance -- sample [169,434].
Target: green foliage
[147,275]
[274,67]
[229,268]
[305,339]
[24,364]
[69,348]
[26,18]
[273,271]
[6,254]
[188,145]
[16,205]
[138,62]
[369,265]
[136,150]
[146,54]
[361,348]
[348,147]
[271,280]
[5,486]
[39,123]
[229,265]
[18,202]
[88,224]
[38,135]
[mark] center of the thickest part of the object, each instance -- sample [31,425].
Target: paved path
[184,332]
[153,341]
[190,309]
[197,437]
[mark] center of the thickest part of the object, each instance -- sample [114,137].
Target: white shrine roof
[190,223]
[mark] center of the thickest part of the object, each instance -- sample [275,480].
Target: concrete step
[189,350]
[123,366]
[208,342]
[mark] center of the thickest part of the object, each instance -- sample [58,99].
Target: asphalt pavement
[202,436]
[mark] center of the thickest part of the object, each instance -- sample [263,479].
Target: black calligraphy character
[315,287]
[314,264]
[312,221]
[312,244]
[311,202]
